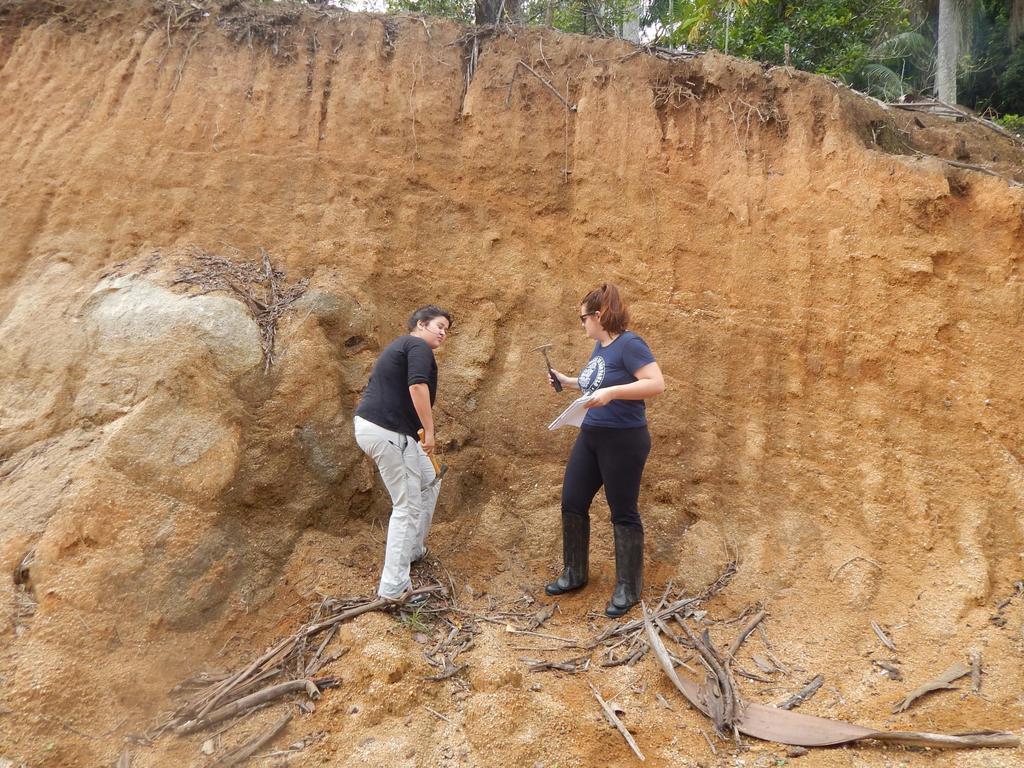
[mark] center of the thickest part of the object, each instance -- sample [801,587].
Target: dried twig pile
[674,91]
[260,287]
[288,667]
[443,654]
[269,24]
[717,699]
[626,643]
[621,644]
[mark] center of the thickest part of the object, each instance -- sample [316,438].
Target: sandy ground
[837,309]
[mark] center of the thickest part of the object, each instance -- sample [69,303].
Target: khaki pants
[406,471]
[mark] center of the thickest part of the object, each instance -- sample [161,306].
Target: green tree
[993,75]
[833,37]
[895,67]
[888,48]
[459,10]
[588,17]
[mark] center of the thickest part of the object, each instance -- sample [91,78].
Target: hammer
[440,468]
[543,348]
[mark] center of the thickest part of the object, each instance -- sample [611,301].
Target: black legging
[611,457]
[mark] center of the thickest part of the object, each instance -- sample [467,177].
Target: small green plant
[1012,123]
[415,620]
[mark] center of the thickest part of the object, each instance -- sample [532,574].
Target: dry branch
[722,702]
[614,720]
[672,609]
[943,109]
[890,669]
[941,683]
[744,634]
[437,714]
[256,283]
[447,650]
[538,619]
[785,727]
[571,107]
[979,169]
[254,745]
[633,654]
[888,643]
[572,666]
[257,699]
[803,694]
[286,654]
[749,675]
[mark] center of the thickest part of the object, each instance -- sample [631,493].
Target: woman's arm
[420,395]
[568,382]
[649,383]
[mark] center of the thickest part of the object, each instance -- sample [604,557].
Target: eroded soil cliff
[836,307]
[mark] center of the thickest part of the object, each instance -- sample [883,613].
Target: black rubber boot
[629,569]
[575,555]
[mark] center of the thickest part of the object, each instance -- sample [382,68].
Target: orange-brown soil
[836,307]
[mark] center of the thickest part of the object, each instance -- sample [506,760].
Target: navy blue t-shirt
[386,400]
[608,367]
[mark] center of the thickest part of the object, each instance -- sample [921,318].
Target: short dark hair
[606,300]
[426,314]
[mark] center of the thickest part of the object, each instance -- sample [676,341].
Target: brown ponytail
[606,300]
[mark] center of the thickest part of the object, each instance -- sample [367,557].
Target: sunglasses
[583,318]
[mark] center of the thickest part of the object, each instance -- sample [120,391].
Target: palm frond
[878,80]
[906,45]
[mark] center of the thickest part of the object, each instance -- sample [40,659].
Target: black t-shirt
[386,400]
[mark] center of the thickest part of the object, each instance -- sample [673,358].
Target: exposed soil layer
[837,309]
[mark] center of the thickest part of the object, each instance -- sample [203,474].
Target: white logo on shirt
[592,376]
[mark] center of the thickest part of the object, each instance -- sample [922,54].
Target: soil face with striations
[836,307]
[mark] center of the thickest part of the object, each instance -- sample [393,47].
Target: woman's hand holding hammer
[567,382]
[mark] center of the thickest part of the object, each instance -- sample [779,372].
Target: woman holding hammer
[396,405]
[611,449]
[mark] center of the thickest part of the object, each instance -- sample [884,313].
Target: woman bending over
[397,404]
